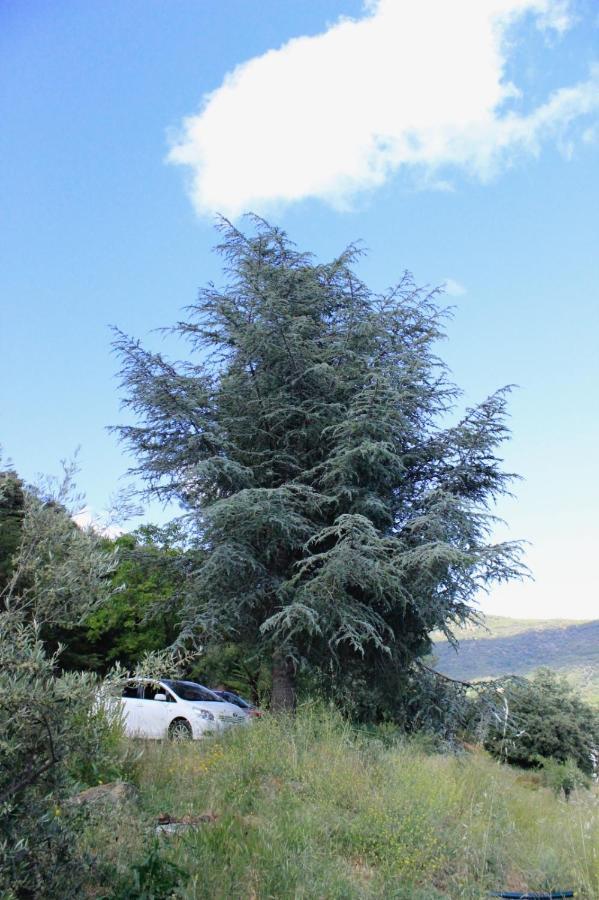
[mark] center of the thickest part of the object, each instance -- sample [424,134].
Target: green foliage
[141,615]
[140,612]
[49,723]
[103,754]
[61,572]
[546,720]
[235,667]
[154,878]
[52,736]
[130,606]
[12,501]
[563,776]
[342,520]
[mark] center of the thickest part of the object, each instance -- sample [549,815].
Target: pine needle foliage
[306,437]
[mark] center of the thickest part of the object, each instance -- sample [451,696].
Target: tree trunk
[283,684]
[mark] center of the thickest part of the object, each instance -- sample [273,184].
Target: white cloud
[86,518]
[453,288]
[418,85]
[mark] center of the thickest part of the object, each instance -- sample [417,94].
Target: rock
[113,792]
[174,827]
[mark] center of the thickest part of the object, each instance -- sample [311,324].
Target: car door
[156,714]
[132,708]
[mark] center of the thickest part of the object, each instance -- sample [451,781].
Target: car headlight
[204,714]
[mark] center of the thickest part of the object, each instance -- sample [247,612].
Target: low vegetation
[312,807]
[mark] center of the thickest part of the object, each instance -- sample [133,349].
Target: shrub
[154,878]
[39,731]
[563,776]
[547,719]
[51,731]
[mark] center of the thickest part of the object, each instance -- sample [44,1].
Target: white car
[177,709]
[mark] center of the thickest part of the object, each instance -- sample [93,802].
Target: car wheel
[180,730]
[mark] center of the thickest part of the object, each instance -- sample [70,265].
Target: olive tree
[55,575]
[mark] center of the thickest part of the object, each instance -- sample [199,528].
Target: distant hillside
[519,646]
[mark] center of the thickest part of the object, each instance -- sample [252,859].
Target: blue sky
[464,148]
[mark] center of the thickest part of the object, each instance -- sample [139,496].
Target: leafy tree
[58,574]
[53,556]
[547,720]
[342,518]
[139,615]
[12,501]
[50,733]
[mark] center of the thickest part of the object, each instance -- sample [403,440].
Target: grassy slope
[519,646]
[313,809]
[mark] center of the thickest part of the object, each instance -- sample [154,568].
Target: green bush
[545,718]
[563,776]
[51,732]
[39,712]
[104,754]
[154,878]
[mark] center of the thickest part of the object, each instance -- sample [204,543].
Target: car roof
[169,682]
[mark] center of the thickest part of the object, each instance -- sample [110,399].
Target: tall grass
[309,807]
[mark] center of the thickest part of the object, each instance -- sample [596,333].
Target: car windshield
[188,690]
[234,698]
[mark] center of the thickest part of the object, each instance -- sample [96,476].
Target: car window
[151,689]
[131,691]
[188,690]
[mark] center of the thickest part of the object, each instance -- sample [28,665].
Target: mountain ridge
[504,646]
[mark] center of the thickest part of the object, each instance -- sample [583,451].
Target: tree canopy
[141,615]
[12,503]
[341,517]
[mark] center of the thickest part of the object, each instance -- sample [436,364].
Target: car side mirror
[160,697]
